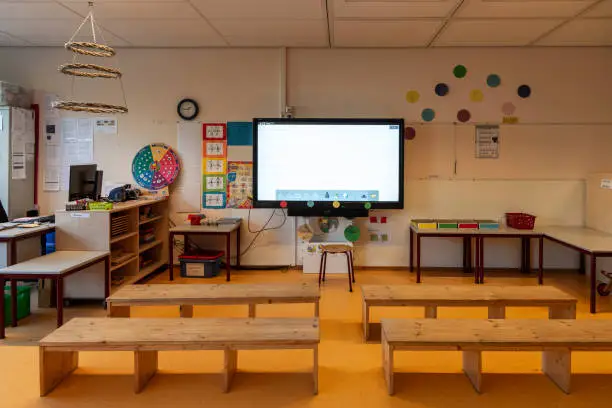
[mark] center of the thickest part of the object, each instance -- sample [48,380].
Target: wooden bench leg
[388,365]
[472,367]
[366,321]
[557,365]
[252,308]
[497,312]
[187,311]
[431,312]
[562,312]
[316,309]
[54,367]
[229,368]
[118,311]
[145,367]
[315,370]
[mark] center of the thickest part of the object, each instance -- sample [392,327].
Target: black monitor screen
[82,182]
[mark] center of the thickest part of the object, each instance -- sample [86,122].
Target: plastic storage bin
[204,264]
[23,303]
[520,221]
[14,95]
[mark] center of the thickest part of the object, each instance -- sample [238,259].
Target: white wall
[563,135]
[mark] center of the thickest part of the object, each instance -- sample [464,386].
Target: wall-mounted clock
[188,109]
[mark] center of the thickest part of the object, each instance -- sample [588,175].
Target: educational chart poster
[214,165]
[239,184]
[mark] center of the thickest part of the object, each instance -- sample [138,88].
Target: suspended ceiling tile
[407,33]
[581,32]
[166,33]
[266,9]
[603,9]
[392,8]
[494,32]
[34,10]
[273,33]
[135,10]
[522,8]
[9,41]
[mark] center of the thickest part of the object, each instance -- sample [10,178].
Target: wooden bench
[496,298]
[187,296]
[146,336]
[555,338]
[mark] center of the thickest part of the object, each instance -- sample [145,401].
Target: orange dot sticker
[336,204]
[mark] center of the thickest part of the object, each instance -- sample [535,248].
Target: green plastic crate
[447,224]
[23,303]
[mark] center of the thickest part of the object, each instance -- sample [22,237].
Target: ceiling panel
[266,9]
[22,9]
[273,33]
[52,32]
[9,41]
[603,9]
[412,33]
[166,33]
[392,8]
[135,10]
[581,32]
[522,8]
[493,32]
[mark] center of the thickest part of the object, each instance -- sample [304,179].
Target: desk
[477,236]
[587,241]
[13,235]
[56,266]
[222,229]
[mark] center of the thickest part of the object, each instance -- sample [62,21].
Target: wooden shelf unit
[91,230]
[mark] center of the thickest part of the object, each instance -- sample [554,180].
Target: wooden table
[556,339]
[587,241]
[56,266]
[147,336]
[477,237]
[187,296]
[13,235]
[223,229]
[496,298]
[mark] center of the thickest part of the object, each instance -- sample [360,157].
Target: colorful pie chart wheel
[155,166]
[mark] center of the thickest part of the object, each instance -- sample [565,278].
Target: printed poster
[214,165]
[239,184]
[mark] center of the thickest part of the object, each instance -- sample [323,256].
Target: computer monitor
[82,182]
[3,216]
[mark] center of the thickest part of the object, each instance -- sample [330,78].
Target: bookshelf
[136,233]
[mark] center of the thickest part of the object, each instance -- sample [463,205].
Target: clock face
[188,109]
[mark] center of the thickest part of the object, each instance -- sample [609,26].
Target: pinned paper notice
[606,183]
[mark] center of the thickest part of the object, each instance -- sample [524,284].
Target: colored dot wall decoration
[409,133]
[508,108]
[460,71]
[463,115]
[310,204]
[352,233]
[493,80]
[336,204]
[428,114]
[367,206]
[476,95]
[441,89]
[524,91]
[412,96]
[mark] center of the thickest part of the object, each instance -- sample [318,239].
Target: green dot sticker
[352,233]
[460,71]
[428,114]
[310,204]
[336,204]
[493,80]
[367,206]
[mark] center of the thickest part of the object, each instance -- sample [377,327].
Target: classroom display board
[155,166]
[214,165]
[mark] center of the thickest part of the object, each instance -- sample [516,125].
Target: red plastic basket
[520,221]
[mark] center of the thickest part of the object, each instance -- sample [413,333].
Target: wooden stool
[337,249]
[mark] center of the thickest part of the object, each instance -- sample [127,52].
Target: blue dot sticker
[441,89]
[524,91]
[428,114]
[231,176]
[493,80]
[310,204]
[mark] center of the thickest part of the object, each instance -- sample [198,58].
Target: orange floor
[350,371]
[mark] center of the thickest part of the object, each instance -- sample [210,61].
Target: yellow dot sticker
[336,204]
[476,95]
[412,96]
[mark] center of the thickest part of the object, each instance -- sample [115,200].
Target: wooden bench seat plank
[575,334]
[180,334]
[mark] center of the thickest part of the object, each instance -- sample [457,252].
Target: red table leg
[593,283]
[2,309]
[481,256]
[60,302]
[228,257]
[541,260]
[13,302]
[411,243]
[418,260]
[171,256]
[107,278]
[238,247]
